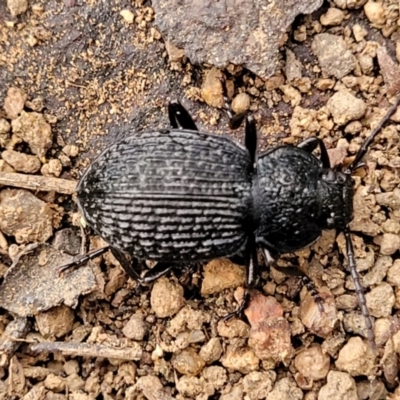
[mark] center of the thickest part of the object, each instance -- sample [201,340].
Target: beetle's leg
[179,117]
[156,272]
[310,144]
[129,266]
[250,139]
[306,281]
[359,288]
[251,261]
[80,260]
[126,264]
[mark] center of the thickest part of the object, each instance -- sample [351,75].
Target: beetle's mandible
[178,196]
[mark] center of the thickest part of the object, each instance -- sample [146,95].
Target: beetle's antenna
[359,289]
[364,148]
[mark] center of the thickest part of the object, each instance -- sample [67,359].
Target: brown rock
[233,328]
[56,322]
[240,359]
[356,358]
[5,129]
[375,12]
[225,33]
[333,55]
[54,383]
[211,90]
[135,328]
[220,274]
[52,168]
[33,129]
[15,100]
[21,162]
[332,17]
[240,103]
[25,216]
[321,324]
[174,53]
[270,331]
[339,386]
[188,362]
[258,384]
[287,389]
[345,107]
[211,351]
[312,363]
[393,275]
[380,300]
[390,243]
[166,298]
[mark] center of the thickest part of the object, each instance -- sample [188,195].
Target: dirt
[77,76]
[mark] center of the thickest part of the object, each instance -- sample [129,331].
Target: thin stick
[133,352]
[37,182]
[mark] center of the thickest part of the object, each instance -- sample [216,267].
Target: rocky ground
[76,76]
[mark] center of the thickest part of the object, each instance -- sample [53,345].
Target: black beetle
[179,196]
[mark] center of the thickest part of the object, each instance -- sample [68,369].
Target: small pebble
[390,244]
[14,101]
[211,90]
[270,331]
[71,367]
[166,298]
[258,384]
[135,328]
[54,383]
[127,15]
[240,103]
[33,129]
[356,358]
[175,54]
[221,274]
[194,388]
[375,12]
[393,275]
[345,107]
[5,129]
[380,300]
[70,150]
[187,319]
[312,363]
[233,328]
[286,389]
[333,55]
[359,32]
[332,17]
[52,168]
[211,351]
[240,359]
[188,362]
[339,386]
[21,162]
[317,322]
[25,216]
[216,375]
[56,322]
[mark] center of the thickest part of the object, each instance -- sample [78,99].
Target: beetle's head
[336,199]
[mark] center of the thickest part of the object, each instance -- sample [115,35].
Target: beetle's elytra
[179,195]
[174,196]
